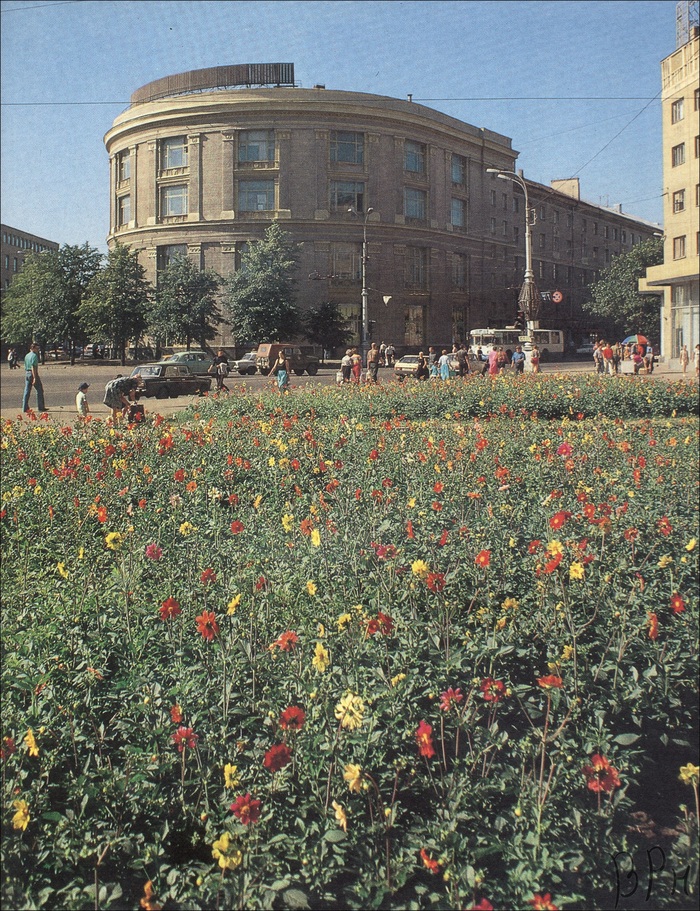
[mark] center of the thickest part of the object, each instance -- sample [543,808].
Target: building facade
[677,277]
[16,245]
[204,174]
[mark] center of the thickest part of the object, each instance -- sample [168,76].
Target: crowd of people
[608,358]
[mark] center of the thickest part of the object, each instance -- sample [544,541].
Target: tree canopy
[616,300]
[325,326]
[185,306]
[260,297]
[43,301]
[116,304]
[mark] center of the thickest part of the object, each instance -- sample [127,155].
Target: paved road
[61,384]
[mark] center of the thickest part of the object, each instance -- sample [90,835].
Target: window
[696,98]
[679,247]
[540,268]
[697,194]
[459,270]
[458,213]
[346,262]
[7,261]
[166,255]
[256,145]
[173,200]
[555,243]
[595,227]
[414,203]
[173,153]
[677,110]
[123,210]
[505,229]
[697,146]
[516,235]
[555,272]
[459,170]
[555,217]
[256,195]
[347,194]
[606,232]
[543,213]
[347,147]
[505,202]
[492,197]
[242,247]
[414,157]
[542,240]
[614,233]
[416,268]
[492,226]
[678,155]
[679,201]
[14,263]
[123,166]
[623,236]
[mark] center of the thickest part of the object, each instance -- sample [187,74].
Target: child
[81,402]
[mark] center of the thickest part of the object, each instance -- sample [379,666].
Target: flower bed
[354,648]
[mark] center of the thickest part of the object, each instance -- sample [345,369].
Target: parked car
[95,350]
[167,380]
[406,366]
[199,362]
[585,348]
[247,365]
[299,361]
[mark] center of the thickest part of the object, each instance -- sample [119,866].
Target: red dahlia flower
[169,609]
[428,861]
[286,642]
[236,527]
[483,905]
[207,576]
[424,738]
[292,718]
[600,775]
[449,698]
[207,625]
[543,902]
[246,809]
[277,757]
[176,714]
[493,690]
[483,558]
[551,681]
[185,737]
[435,582]
[677,604]
[154,552]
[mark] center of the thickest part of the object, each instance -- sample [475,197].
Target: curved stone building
[201,168]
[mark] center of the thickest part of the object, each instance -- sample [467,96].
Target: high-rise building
[677,278]
[201,167]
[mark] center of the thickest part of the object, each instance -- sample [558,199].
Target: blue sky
[562,79]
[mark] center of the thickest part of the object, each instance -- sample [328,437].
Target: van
[299,361]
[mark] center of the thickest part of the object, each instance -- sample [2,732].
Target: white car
[199,362]
[247,365]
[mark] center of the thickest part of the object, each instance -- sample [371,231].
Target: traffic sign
[557,297]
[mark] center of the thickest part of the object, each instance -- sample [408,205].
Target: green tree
[325,326]
[615,299]
[185,307]
[43,301]
[116,304]
[260,296]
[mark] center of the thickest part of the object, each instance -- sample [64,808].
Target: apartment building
[16,245]
[201,167]
[677,278]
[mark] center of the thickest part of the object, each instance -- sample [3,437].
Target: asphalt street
[61,381]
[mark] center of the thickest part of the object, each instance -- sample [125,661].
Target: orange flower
[176,714]
[428,862]
[286,642]
[543,902]
[550,682]
[207,625]
[600,775]
[424,738]
[677,604]
[148,902]
[653,626]
[483,558]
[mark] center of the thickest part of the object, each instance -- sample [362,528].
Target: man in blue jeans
[31,378]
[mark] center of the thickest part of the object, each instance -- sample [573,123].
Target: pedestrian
[535,359]
[423,371]
[373,363]
[607,353]
[696,360]
[518,360]
[617,357]
[493,362]
[444,365]
[502,359]
[684,358]
[222,370]
[346,365]
[356,361]
[462,362]
[32,379]
[649,358]
[281,371]
[120,394]
[382,355]
[483,359]
[390,352]
[637,362]
[12,358]
[81,402]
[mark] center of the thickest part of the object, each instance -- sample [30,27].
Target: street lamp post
[529,297]
[365,290]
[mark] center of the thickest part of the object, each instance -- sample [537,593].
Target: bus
[550,341]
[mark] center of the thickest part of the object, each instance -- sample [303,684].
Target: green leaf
[626,740]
